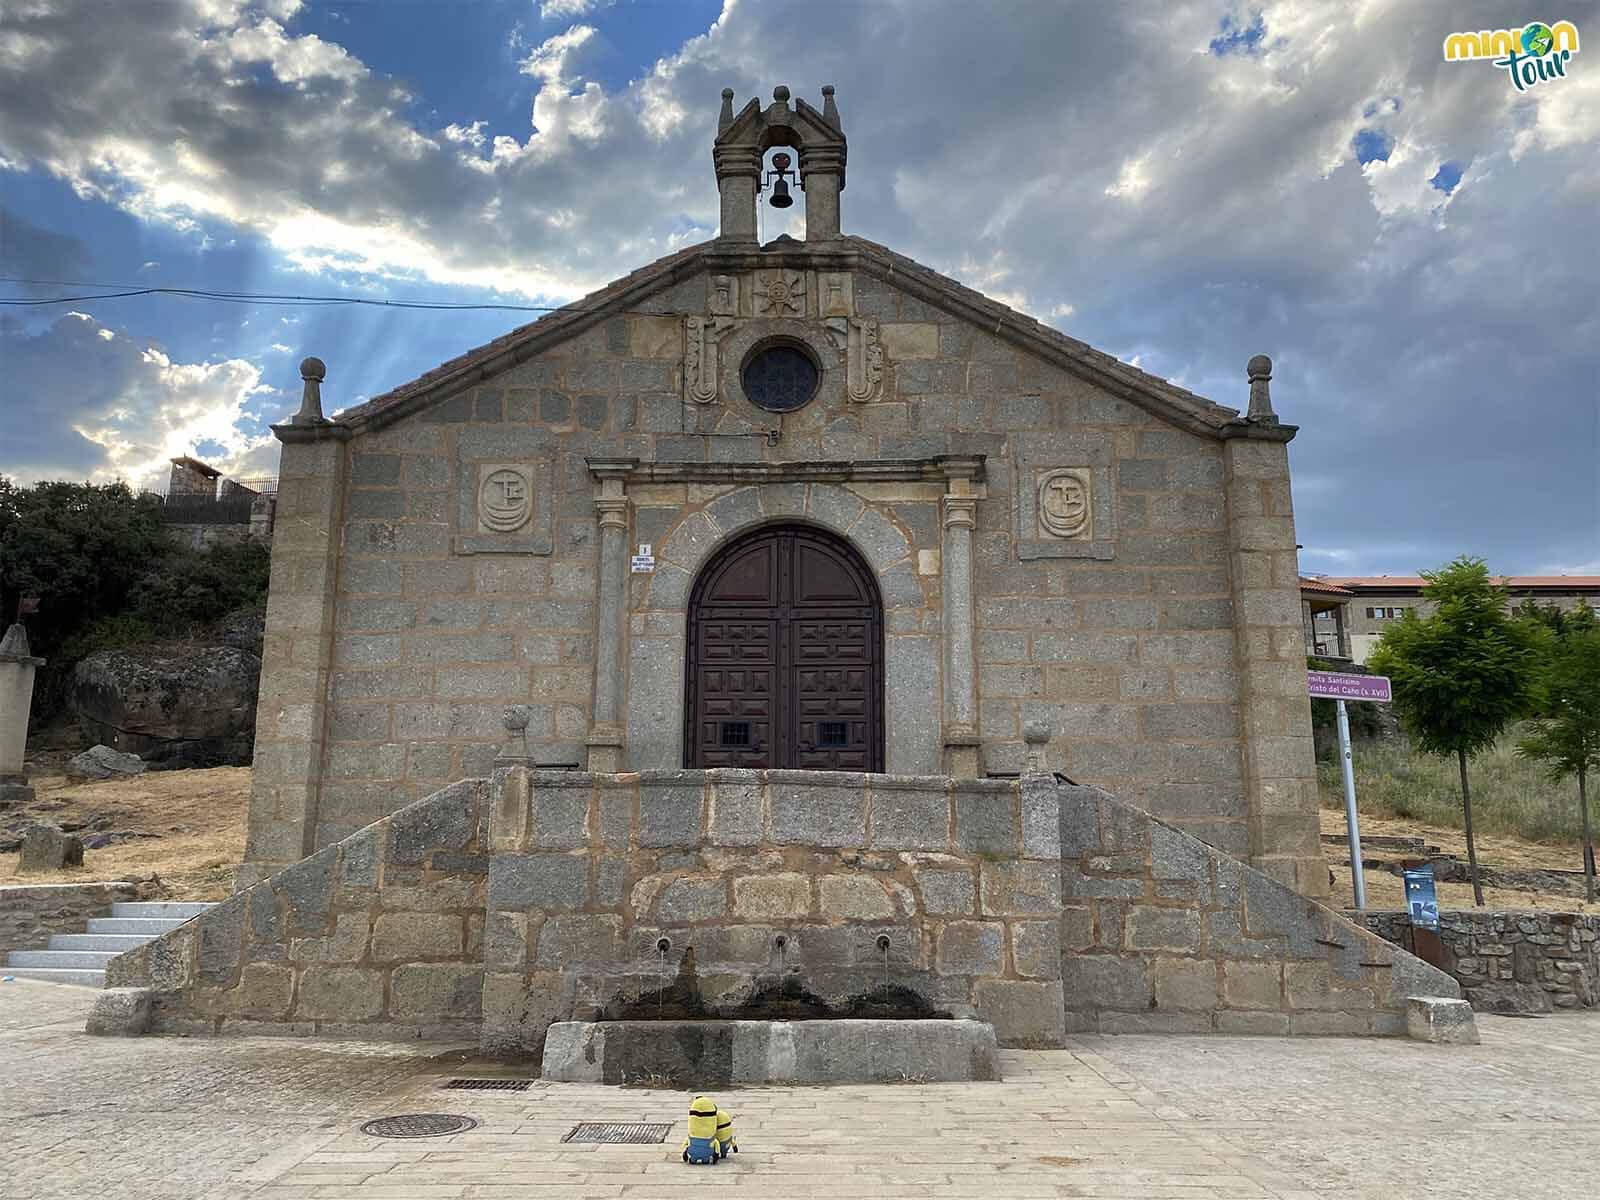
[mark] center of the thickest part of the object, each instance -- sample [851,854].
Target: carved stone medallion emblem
[724,297]
[1064,503]
[505,499]
[781,294]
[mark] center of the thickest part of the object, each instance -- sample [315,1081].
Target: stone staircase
[81,958]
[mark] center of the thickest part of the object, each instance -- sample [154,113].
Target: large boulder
[102,762]
[46,848]
[174,706]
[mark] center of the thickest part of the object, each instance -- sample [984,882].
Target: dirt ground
[200,816]
[1388,891]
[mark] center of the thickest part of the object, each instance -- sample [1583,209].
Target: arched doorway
[785,656]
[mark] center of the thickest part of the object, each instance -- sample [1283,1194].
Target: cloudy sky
[1414,242]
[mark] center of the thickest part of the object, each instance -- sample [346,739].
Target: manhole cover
[489,1085]
[413,1125]
[620,1133]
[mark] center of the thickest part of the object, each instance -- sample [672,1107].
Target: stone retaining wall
[1161,933]
[379,935]
[29,914]
[769,883]
[1527,961]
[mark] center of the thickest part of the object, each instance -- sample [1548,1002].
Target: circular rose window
[780,378]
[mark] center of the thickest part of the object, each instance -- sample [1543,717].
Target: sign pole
[1352,825]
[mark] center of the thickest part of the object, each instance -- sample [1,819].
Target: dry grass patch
[200,816]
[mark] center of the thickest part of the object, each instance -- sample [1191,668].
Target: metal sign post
[1331,685]
[1351,822]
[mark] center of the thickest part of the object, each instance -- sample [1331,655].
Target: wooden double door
[785,656]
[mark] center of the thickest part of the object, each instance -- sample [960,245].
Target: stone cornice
[939,468]
[322,431]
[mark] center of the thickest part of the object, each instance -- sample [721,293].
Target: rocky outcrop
[47,848]
[102,762]
[183,706]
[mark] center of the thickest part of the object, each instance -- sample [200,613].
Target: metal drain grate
[620,1133]
[488,1085]
[417,1125]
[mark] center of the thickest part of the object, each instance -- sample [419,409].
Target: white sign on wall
[645,561]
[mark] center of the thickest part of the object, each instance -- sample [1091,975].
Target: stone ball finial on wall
[1037,736]
[312,371]
[781,94]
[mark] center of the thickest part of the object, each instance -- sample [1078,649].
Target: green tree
[1566,731]
[1462,674]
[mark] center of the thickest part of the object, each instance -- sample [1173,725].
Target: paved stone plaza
[1134,1116]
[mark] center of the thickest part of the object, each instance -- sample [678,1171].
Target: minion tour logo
[1530,55]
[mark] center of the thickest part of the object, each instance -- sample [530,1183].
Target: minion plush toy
[700,1147]
[726,1143]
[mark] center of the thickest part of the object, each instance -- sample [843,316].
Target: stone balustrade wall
[1162,933]
[379,935]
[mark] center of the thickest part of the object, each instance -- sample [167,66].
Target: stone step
[93,959]
[114,942]
[150,925]
[83,976]
[166,909]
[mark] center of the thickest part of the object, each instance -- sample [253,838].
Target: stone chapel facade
[889,521]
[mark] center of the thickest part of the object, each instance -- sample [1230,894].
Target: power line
[269,299]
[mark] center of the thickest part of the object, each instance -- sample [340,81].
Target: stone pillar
[1280,783]
[17,668]
[738,172]
[607,744]
[961,742]
[820,173]
[297,651]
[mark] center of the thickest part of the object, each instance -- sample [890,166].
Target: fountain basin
[703,1054]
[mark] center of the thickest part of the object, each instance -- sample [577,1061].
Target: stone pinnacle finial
[14,645]
[1036,734]
[725,117]
[781,95]
[313,371]
[1259,369]
[830,110]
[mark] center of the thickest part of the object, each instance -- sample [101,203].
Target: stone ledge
[1443,1022]
[719,1053]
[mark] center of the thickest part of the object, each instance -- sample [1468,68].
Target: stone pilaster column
[606,741]
[297,650]
[821,171]
[738,173]
[1280,785]
[961,743]
[17,668]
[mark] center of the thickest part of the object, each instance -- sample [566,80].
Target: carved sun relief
[1064,502]
[781,294]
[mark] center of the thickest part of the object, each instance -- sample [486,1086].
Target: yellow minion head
[703,1117]
[726,1142]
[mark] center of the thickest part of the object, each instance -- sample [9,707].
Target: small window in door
[735,733]
[833,733]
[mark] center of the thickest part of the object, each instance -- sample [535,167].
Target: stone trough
[722,1053]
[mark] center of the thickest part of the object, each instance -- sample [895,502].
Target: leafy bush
[108,573]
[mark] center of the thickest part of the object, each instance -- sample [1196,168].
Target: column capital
[960,512]
[613,511]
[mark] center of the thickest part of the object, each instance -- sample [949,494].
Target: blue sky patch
[1447,176]
[1233,38]
[1372,145]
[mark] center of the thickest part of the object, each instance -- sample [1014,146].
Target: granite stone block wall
[815,886]
[1162,933]
[400,629]
[379,935]
[31,913]
[1526,961]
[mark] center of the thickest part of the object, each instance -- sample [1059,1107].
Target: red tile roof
[1413,583]
[1323,588]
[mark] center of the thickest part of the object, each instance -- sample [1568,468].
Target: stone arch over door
[657,643]
[784,658]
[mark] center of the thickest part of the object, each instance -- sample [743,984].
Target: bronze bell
[780,194]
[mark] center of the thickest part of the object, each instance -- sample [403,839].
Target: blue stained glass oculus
[780,379]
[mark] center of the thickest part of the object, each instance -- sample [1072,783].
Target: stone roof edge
[1156,396]
[518,345]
